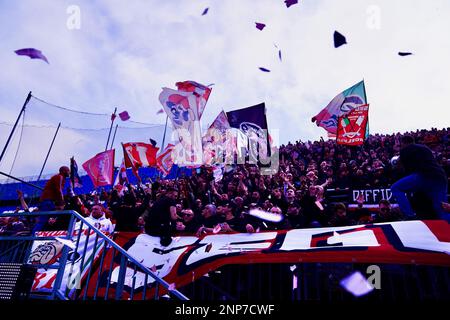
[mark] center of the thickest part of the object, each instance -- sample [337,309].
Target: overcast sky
[125,51]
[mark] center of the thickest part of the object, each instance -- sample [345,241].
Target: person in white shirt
[97,219]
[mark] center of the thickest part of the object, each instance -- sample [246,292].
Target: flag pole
[164,136]
[113,117]
[367,125]
[15,125]
[114,136]
[48,153]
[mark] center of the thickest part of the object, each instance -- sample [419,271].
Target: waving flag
[181,108]
[200,91]
[164,162]
[344,102]
[100,168]
[32,53]
[74,177]
[215,138]
[124,116]
[121,176]
[139,154]
[352,126]
[252,123]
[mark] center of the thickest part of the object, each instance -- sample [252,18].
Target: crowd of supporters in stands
[297,191]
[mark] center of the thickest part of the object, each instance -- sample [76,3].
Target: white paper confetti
[356,284]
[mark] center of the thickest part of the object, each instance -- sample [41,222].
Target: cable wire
[84,112]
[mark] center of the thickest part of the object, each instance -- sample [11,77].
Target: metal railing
[75,270]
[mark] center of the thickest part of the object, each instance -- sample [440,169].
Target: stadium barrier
[68,261]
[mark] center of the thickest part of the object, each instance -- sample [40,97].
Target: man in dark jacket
[162,217]
[424,175]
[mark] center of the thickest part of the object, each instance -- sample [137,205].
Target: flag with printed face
[344,102]
[100,168]
[351,130]
[164,161]
[181,108]
[139,154]
[200,91]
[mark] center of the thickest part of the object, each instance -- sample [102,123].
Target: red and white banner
[164,162]
[188,258]
[49,252]
[200,91]
[351,129]
[139,154]
[100,168]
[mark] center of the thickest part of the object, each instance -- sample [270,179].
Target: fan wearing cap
[162,217]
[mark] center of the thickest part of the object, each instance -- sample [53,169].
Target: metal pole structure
[164,136]
[15,125]
[113,117]
[48,153]
[27,183]
[367,125]
[114,136]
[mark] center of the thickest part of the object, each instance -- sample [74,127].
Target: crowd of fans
[297,191]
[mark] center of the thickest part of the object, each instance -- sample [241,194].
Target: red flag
[124,116]
[129,163]
[100,168]
[160,111]
[139,154]
[351,130]
[113,116]
[164,162]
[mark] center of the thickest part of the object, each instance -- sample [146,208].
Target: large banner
[188,258]
[49,252]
